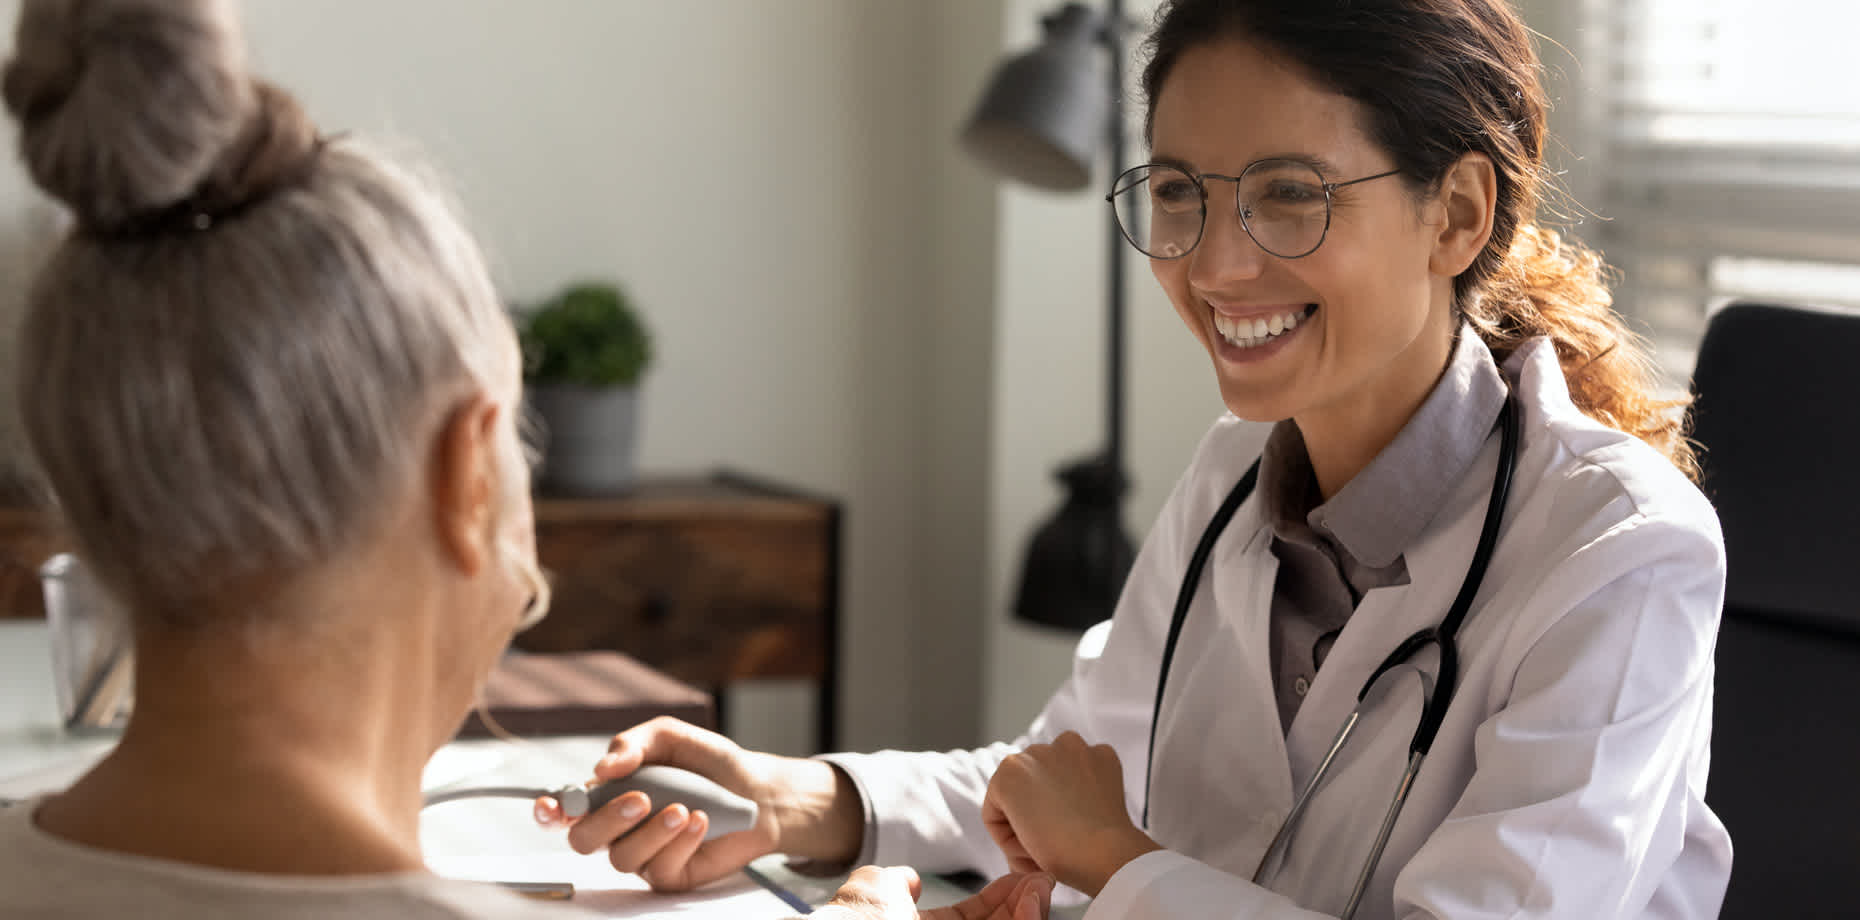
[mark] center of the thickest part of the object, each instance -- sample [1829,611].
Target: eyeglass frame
[1239,212]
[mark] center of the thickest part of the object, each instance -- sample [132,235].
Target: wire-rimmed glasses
[1283,204]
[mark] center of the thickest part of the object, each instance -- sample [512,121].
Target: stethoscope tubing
[1382,834]
[1281,839]
[1442,636]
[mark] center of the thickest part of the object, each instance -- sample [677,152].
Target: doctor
[1446,651]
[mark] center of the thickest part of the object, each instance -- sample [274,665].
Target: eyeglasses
[1284,205]
[541,582]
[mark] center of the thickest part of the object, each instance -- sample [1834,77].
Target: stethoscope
[1434,708]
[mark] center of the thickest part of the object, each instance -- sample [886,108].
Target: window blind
[1731,161]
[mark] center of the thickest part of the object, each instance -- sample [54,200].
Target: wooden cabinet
[711,579]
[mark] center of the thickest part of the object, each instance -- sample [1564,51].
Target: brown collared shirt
[1332,552]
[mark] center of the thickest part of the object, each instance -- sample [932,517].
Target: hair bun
[127,107]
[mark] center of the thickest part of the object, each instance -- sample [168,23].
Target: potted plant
[584,351]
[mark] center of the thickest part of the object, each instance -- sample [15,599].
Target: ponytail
[1556,288]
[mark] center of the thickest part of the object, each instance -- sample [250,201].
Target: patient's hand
[875,893]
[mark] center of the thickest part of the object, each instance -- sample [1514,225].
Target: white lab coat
[1568,779]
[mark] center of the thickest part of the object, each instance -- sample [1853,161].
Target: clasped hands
[1058,808]
[1057,812]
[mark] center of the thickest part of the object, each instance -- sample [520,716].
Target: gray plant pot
[591,437]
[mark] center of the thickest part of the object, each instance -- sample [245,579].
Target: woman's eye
[1289,192]
[1176,193]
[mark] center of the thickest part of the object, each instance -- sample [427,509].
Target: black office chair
[1778,412]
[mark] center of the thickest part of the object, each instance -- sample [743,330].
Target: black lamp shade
[1045,112]
[1079,559]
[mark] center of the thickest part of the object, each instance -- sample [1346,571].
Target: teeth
[1249,333]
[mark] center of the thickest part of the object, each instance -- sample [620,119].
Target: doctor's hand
[875,893]
[805,808]
[1059,808]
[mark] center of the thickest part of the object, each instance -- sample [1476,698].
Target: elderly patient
[275,398]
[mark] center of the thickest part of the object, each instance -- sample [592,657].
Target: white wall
[962,378]
[774,183]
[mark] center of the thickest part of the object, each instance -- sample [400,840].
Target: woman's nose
[1227,253]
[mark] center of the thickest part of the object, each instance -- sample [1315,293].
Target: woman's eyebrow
[1322,165]
[1177,162]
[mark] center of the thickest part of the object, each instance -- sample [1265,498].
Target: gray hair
[241,351]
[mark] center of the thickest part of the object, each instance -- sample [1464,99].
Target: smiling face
[1363,322]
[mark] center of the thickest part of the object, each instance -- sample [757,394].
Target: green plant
[588,334]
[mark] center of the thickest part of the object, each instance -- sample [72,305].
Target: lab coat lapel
[1222,675]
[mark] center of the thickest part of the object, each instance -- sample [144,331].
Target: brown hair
[1440,79]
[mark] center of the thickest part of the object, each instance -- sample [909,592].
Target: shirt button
[1301,686]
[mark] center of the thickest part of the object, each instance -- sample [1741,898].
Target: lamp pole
[1042,120]
[1114,254]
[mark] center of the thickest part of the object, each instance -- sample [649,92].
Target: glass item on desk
[93,657]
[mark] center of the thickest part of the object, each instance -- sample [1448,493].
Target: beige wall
[774,184]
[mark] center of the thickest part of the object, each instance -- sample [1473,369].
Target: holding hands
[1059,808]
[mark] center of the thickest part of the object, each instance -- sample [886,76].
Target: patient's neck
[271,751]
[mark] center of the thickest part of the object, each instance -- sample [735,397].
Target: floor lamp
[1044,116]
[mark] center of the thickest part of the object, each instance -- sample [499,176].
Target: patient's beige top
[46,876]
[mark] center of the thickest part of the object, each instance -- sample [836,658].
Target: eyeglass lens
[1282,204]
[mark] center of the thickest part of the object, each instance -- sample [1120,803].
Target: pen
[542,891]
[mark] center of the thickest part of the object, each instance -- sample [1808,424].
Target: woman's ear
[463,481]
[1469,199]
